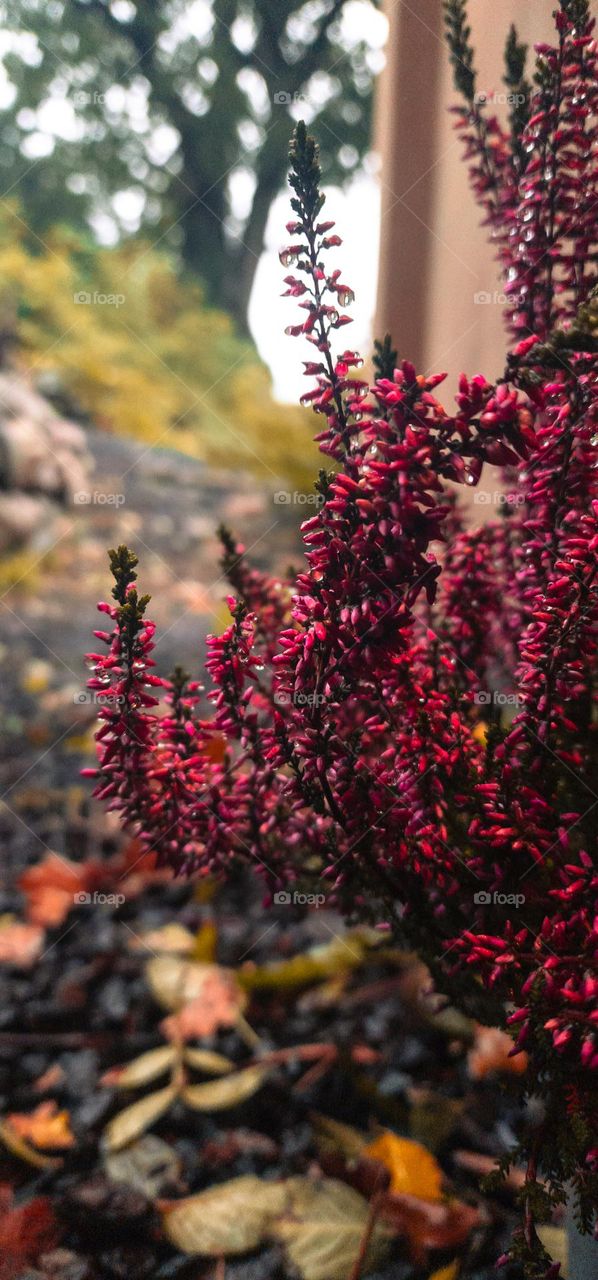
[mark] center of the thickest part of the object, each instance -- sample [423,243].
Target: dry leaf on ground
[225,1220]
[231,1091]
[46,1127]
[323,1227]
[413,1170]
[20,944]
[51,887]
[141,1070]
[134,1120]
[491,1051]
[169,938]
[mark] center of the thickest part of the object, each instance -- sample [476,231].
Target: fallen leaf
[413,1170]
[148,1164]
[231,1091]
[25,1233]
[141,1070]
[322,1229]
[206,939]
[50,1079]
[203,997]
[18,1147]
[446,1273]
[51,888]
[339,1139]
[46,1127]
[169,938]
[134,1120]
[225,1220]
[432,1116]
[214,1064]
[490,1052]
[20,944]
[555,1242]
[176,982]
[484,1166]
[428,1224]
[316,965]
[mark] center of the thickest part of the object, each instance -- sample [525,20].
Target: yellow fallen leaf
[316,965]
[204,945]
[171,937]
[413,1170]
[134,1120]
[225,1220]
[446,1273]
[18,1147]
[141,1070]
[230,1091]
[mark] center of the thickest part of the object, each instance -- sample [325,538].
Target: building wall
[434,254]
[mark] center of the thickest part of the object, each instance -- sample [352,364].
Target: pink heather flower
[412,721]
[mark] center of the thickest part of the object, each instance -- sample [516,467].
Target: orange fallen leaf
[413,1170]
[20,943]
[217,1005]
[46,1127]
[490,1052]
[51,887]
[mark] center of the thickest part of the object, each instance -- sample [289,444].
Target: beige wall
[434,255]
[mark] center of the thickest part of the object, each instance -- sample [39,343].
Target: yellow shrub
[136,350]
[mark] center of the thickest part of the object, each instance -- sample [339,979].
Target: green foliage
[458,38]
[172,110]
[151,360]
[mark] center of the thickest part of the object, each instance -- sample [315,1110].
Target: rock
[40,454]
[23,518]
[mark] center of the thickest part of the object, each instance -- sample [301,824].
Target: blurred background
[147,389]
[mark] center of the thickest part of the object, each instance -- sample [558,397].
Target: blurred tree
[173,116]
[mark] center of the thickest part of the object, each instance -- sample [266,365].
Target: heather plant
[410,725]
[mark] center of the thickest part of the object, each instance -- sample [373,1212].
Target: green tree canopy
[173,117]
